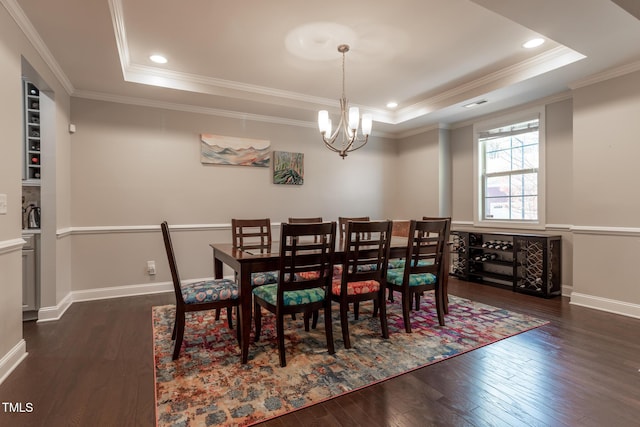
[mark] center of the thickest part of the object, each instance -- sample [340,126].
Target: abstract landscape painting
[288,168]
[229,150]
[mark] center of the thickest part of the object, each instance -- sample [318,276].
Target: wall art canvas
[229,150]
[288,168]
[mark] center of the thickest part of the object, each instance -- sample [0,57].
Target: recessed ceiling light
[392,104]
[158,59]
[533,43]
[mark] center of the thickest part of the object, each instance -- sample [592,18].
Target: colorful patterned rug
[208,386]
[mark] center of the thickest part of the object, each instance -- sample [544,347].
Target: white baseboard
[606,304]
[12,359]
[48,314]
[123,291]
[567,290]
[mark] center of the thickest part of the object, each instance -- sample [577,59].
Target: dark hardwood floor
[94,367]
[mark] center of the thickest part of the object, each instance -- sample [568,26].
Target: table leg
[246,298]
[217,268]
[445,279]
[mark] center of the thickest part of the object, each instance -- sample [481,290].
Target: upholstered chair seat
[209,291]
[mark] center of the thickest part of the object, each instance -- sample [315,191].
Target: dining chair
[342,223]
[401,229]
[366,250]
[190,297]
[251,234]
[344,220]
[445,261]
[337,269]
[307,220]
[304,279]
[424,267]
[254,235]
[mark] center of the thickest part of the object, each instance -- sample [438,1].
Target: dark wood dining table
[252,261]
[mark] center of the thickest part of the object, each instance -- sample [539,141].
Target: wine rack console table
[527,263]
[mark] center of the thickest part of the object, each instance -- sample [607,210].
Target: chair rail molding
[110,229]
[575,229]
[606,231]
[12,245]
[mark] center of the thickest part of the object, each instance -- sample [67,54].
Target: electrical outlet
[3,204]
[151,268]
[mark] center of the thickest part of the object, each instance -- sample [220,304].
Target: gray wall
[137,166]
[19,58]
[606,196]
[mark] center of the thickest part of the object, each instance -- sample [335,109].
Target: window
[509,154]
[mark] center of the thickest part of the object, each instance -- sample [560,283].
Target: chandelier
[348,124]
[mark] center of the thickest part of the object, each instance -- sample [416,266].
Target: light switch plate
[3,204]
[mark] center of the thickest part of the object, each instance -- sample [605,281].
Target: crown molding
[117,17]
[143,102]
[187,108]
[539,64]
[606,75]
[420,130]
[36,41]
[558,97]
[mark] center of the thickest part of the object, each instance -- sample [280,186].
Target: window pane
[517,161]
[496,208]
[524,184]
[530,207]
[498,161]
[497,186]
[498,144]
[516,208]
[531,157]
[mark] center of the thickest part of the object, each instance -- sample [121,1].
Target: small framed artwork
[229,150]
[288,168]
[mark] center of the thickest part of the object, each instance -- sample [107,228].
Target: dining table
[246,262]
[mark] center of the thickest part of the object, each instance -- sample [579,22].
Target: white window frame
[478,159]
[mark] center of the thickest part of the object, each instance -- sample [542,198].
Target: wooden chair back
[426,246]
[309,220]
[175,276]
[366,248]
[400,228]
[304,262]
[252,234]
[343,221]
